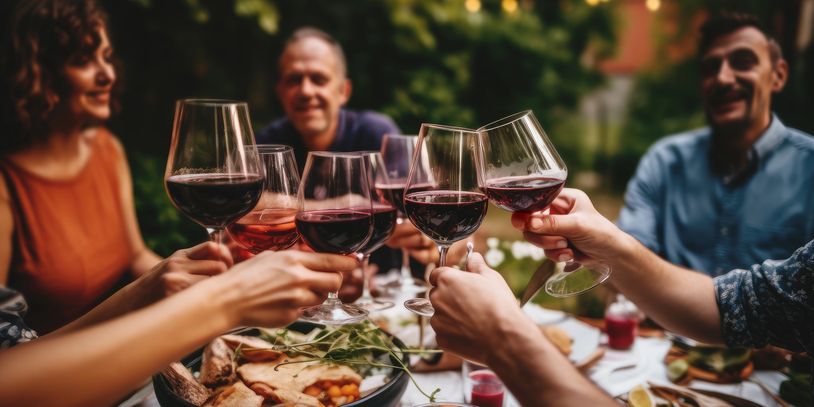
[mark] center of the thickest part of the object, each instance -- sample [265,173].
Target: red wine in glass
[266,229]
[394,193]
[446,216]
[384,220]
[521,171]
[214,200]
[334,231]
[523,194]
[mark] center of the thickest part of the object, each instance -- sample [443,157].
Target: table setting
[349,203]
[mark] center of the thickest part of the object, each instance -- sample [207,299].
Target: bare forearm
[135,295]
[539,375]
[681,300]
[68,369]
[143,262]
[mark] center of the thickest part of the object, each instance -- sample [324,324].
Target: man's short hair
[311,32]
[726,23]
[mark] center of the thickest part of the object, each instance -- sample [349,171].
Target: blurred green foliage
[416,60]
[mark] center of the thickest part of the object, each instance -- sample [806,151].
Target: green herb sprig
[356,345]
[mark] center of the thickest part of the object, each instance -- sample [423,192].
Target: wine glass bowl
[397,152]
[521,171]
[334,216]
[270,225]
[442,196]
[384,223]
[212,175]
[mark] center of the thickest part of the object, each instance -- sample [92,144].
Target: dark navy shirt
[356,131]
[681,207]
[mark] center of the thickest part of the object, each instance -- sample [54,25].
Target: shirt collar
[770,138]
[761,148]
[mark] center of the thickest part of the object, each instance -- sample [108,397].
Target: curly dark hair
[41,37]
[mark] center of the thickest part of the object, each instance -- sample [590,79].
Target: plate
[585,337]
[388,395]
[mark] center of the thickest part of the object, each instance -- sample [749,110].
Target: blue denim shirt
[772,303]
[356,131]
[681,208]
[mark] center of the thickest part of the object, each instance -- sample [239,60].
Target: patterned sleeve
[13,329]
[773,303]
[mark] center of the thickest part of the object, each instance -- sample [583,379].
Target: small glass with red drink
[482,387]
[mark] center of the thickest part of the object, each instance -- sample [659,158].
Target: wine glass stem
[406,274]
[364,259]
[442,250]
[216,236]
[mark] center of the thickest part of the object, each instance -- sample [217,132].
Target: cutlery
[541,275]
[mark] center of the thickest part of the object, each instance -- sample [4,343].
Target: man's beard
[736,127]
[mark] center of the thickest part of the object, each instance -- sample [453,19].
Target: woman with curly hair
[69,236]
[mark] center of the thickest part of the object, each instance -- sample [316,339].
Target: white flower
[537,253]
[492,242]
[518,249]
[494,257]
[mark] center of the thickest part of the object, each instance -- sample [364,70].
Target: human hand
[352,282]
[270,289]
[472,309]
[572,230]
[421,248]
[186,267]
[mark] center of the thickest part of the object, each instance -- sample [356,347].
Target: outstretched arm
[477,317]
[681,300]
[74,368]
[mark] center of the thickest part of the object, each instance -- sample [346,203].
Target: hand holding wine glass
[211,176]
[521,172]
[334,216]
[270,224]
[445,202]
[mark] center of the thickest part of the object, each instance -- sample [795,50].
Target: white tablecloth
[645,360]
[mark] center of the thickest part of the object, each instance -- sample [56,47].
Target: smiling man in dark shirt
[313,88]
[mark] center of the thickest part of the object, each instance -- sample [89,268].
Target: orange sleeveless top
[70,244]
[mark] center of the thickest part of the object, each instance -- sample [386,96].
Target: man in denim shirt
[769,303]
[740,191]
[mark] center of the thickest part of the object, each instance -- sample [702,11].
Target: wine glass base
[334,314]
[420,306]
[372,304]
[576,280]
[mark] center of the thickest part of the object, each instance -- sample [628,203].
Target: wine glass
[270,224]
[212,176]
[384,223]
[445,204]
[397,151]
[520,171]
[334,216]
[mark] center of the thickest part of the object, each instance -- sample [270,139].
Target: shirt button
[724,231]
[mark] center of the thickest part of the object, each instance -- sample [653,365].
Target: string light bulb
[472,6]
[652,5]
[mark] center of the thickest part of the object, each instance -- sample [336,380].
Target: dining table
[615,371]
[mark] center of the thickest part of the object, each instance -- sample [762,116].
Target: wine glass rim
[448,127]
[271,148]
[212,102]
[341,154]
[505,120]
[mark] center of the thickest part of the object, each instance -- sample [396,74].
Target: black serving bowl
[387,395]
